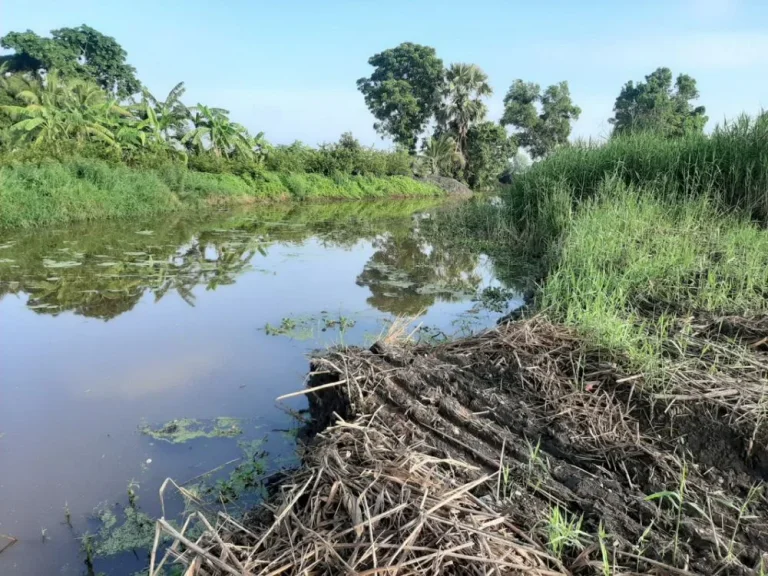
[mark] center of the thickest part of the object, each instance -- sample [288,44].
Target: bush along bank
[43,193]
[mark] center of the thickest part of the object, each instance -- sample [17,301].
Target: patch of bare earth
[522,450]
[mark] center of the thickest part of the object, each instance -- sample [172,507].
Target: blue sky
[289,67]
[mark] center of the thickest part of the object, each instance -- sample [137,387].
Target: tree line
[74,93]
[411,93]
[75,90]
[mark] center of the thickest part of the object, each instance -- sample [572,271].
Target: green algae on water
[137,531]
[185,429]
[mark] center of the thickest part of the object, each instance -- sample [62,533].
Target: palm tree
[441,155]
[57,110]
[261,147]
[213,128]
[163,116]
[466,85]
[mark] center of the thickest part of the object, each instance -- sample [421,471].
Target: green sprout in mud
[506,481]
[602,536]
[564,532]
[754,494]
[676,499]
[536,463]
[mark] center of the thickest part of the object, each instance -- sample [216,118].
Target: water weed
[186,429]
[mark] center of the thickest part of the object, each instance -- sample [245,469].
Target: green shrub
[48,193]
[53,191]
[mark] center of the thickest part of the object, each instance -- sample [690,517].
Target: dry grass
[428,465]
[368,502]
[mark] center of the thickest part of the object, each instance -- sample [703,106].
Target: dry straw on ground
[521,450]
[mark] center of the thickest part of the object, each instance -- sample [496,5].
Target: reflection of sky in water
[74,388]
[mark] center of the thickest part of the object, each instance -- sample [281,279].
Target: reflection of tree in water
[407,275]
[102,270]
[106,287]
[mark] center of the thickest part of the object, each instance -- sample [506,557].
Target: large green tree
[540,129]
[488,153]
[82,52]
[403,91]
[462,107]
[657,106]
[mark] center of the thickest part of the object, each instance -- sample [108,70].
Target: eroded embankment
[519,451]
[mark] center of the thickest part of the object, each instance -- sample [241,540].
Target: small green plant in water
[306,327]
[135,532]
[186,429]
[132,496]
[87,546]
[495,298]
[246,477]
[287,326]
[67,515]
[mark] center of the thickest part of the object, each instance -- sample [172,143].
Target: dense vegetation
[81,138]
[639,237]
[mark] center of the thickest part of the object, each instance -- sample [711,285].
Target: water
[107,328]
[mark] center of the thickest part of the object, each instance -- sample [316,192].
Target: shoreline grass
[60,192]
[632,241]
[632,271]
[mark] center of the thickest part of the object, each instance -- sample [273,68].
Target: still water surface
[108,328]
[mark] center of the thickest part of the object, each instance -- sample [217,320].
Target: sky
[289,67]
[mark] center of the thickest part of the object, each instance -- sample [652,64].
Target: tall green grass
[626,240]
[630,263]
[86,189]
[729,166]
[54,193]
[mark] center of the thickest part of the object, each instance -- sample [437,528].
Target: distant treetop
[81,52]
[655,106]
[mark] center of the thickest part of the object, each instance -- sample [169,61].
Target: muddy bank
[519,451]
[452,187]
